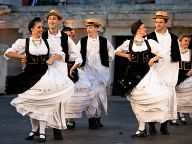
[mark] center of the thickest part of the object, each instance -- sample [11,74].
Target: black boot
[99,124]
[182,120]
[163,128]
[173,123]
[152,129]
[140,134]
[92,123]
[70,124]
[57,134]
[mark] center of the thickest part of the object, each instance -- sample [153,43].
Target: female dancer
[146,92]
[40,88]
[184,85]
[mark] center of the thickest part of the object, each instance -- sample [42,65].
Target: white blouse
[155,47]
[19,47]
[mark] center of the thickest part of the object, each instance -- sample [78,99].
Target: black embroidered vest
[102,50]
[35,68]
[184,68]
[175,53]
[64,43]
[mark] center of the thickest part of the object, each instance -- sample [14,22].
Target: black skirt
[133,73]
[24,81]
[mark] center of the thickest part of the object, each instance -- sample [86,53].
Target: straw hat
[161,15]
[55,13]
[93,21]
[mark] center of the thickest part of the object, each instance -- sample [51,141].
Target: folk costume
[149,96]
[168,68]
[184,85]
[96,54]
[81,98]
[42,95]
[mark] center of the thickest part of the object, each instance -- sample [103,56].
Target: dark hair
[66,29]
[135,26]
[33,22]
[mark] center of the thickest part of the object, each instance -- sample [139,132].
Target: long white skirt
[43,100]
[168,73]
[184,96]
[81,100]
[149,99]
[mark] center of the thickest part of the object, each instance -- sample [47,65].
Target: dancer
[184,85]
[147,94]
[41,88]
[168,68]
[97,52]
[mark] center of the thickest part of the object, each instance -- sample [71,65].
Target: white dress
[149,99]
[184,90]
[42,101]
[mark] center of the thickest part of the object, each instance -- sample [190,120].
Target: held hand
[50,61]
[23,59]
[128,57]
[71,73]
[189,72]
[151,62]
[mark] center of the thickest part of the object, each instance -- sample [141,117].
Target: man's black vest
[64,43]
[102,50]
[175,53]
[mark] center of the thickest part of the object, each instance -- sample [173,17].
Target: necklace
[139,43]
[36,42]
[183,51]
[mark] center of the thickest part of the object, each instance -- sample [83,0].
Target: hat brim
[92,24]
[160,17]
[54,14]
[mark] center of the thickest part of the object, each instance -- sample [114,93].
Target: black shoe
[173,123]
[57,134]
[163,128]
[152,129]
[30,137]
[92,123]
[140,134]
[98,122]
[70,124]
[182,120]
[42,139]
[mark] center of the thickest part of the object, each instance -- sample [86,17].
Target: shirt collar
[58,35]
[166,33]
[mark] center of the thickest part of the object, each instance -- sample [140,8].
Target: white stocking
[42,125]
[141,125]
[34,124]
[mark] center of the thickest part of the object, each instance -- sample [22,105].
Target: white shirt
[74,54]
[165,41]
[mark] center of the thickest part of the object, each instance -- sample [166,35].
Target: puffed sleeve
[156,48]
[110,51]
[74,52]
[17,47]
[55,48]
[124,47]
